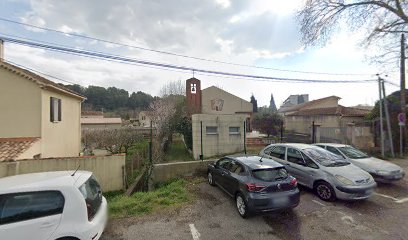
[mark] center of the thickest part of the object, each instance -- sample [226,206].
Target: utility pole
[402,85]
[381,118]
[387,116]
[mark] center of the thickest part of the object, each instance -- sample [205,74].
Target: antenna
[260,160]
[73,174]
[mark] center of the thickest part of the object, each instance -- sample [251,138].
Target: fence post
[313,132]
[281,132]
[201,136]
[245,150]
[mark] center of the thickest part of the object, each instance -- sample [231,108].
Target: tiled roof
[337,111]
[39,80]
[91,113]
[11,148]
[101,121]
[306,104]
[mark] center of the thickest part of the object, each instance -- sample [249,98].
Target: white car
[64,205]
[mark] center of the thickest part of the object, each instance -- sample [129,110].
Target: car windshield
[92,193]
[353,153]
[270,174]
[325,157]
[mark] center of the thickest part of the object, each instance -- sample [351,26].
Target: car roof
[332,144]
[42,180]
[257,162]
[296,145]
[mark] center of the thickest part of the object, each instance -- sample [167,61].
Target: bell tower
[193,95]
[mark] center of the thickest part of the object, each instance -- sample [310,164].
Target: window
[278,152]
[234,130]
[295,156]
[211,130]
[237,168]
[309,162]
[271,174]
[55,109]
[25,206]
[224,163]
[334,150]
[92,193]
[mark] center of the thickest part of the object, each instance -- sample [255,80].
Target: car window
[224,163]
[278,152]
[325,157]
[322,146]
[309,162]
[334,150]
[236,168]
[353,153]
[92,193]
[25,206]
[270,174]
[294,156]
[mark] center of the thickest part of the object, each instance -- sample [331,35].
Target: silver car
[382,171]
[328,174]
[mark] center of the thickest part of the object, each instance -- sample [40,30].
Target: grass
[178,152]
[167,195]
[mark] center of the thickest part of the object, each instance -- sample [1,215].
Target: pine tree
[272,105]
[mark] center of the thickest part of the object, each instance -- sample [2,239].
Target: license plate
[281,201]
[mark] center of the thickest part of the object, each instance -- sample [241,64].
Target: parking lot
[214,216]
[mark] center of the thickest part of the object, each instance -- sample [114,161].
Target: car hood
[350,171]
[373,164]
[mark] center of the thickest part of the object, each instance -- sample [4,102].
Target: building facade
[39,117]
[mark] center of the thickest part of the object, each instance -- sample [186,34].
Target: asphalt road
[214,216]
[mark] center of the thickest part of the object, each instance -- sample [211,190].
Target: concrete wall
[101,126]
[166,171]
[325,103]
[108,169]
[60,139]
[231,103]
[303,124]
[20,105]
[221,142]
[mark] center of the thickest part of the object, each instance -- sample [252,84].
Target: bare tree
[383,20]
[173,89]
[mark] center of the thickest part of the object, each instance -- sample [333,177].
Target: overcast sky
[257,32]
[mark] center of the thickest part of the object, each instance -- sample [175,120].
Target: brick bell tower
[193,95]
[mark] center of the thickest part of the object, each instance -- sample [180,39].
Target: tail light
[294,182]
[254,188]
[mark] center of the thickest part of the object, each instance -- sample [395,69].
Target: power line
[169,66]
[176,54]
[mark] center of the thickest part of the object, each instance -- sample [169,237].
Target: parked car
[257,184]
[382,171]
[329,175]
[64,205]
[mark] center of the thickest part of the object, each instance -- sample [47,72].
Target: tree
[254,104]
[139,100]
[272,105]
[384,21]
[269,124]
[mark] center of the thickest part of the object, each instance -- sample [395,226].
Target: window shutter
[59,109]
[51,109]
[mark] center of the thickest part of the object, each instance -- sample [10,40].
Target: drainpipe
[1,50]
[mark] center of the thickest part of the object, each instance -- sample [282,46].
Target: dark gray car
[256,184]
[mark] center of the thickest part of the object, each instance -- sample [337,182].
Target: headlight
[344,180]
[382,172]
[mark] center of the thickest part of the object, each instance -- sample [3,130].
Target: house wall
[303,124]
[107,169]
[326,103]
[231,104]
[222,142]
[20,104]
[60,139]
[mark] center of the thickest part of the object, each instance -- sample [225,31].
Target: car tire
[325,191]
[210,178]
[242,206]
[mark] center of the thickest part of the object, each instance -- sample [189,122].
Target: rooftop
[11,148]
[339,110]
[101,121]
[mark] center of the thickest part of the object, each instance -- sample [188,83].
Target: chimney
[1,50]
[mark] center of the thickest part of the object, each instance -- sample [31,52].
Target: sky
[257,33]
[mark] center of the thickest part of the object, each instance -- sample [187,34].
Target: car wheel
[325,191]
[242,206]
[210,178]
